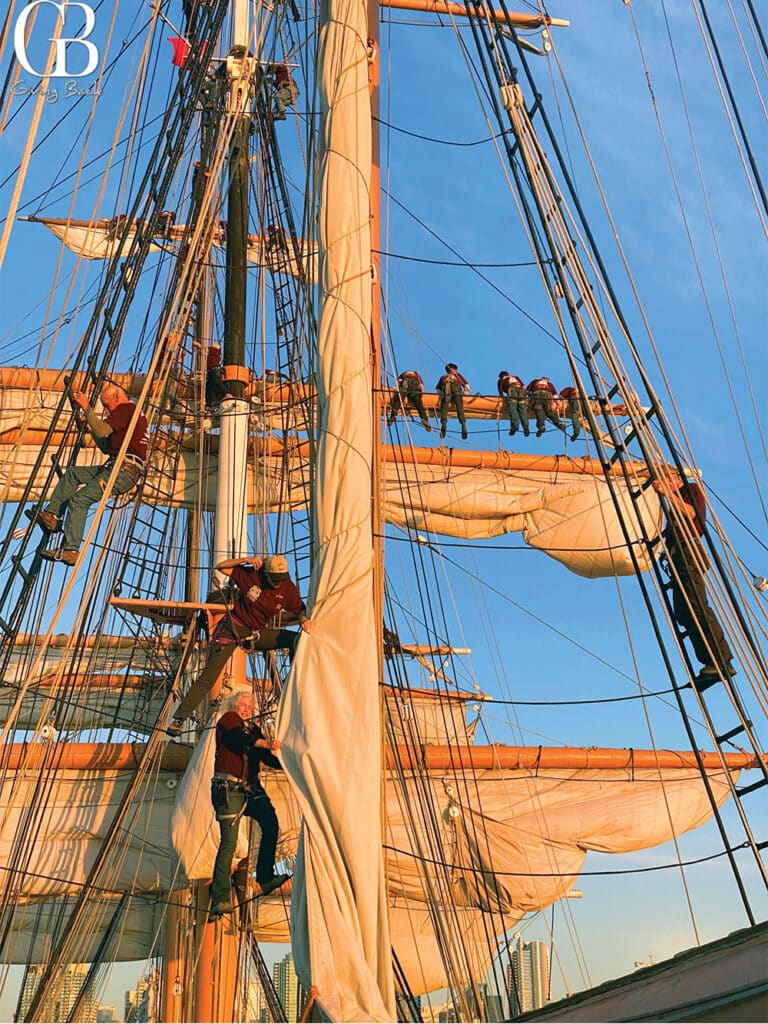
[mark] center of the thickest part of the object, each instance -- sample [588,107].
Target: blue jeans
[83,486]
[256,805]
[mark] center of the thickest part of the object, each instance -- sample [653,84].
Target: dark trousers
[699,620]
[452,395]
[517,407]
[543,411]
[403,397]
[574,415]
[256,805]
[227,637]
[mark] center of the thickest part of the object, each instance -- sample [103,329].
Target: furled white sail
[31,926]
[82,707]
[52,855]
[331,750]
[99,240]
[569,516]
[536,827]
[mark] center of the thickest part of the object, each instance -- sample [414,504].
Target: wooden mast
[216,971]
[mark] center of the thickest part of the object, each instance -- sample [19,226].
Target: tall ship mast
[226,227]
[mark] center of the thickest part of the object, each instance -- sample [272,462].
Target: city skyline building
[289,990]
[141,1002]
[66,997]
[527,976]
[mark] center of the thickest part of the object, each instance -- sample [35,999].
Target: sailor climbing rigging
[236,791]
[265,590]
[690,606]
[82,486]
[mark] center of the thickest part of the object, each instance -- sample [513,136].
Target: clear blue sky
[439,313]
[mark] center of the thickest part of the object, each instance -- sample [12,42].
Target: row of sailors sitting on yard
[520,400]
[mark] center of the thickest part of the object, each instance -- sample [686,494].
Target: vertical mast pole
[375,196]
[230,536]
[217,961]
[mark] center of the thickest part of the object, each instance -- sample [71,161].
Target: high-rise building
[288,988]
[527,976]
[256,1003]
[106,1015]
[66,995]
[141,1002]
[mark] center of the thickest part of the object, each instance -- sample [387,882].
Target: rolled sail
[539,823]
[570,515]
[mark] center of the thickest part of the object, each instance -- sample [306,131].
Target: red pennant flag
[180,51]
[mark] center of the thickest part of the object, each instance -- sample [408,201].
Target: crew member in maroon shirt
[264,590]
[451,388]
[575,409]
[542,391]
[82,486]
[687,563]
[236,791]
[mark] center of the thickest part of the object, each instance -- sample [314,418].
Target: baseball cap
[276,566]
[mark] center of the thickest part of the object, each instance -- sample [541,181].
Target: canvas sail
[569,516]
[537,826]
[339,924]
[97,240]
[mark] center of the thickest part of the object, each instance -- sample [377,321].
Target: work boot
[707,677]
[512,431]
[540,431]
[391,420]
[64,555]
[240,884]
[48,520]
[574,437]
[274,883]
[463,431]
[427,426]
[526,432]
[220,909]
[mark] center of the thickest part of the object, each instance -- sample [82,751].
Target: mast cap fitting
[241,373]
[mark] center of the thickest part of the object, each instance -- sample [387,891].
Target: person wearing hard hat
[265,589]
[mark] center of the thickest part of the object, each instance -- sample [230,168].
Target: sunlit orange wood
[177,613]
[404,454]
[111,643]
[90,756]
[216,973]
[171,1005]
[439,758]
[175,757]
[94,680]
[460,11]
